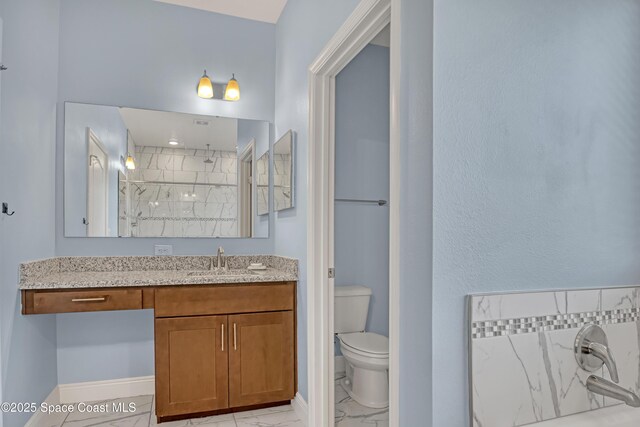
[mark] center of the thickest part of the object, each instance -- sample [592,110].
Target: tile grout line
[151,414]
[65,419]
[281,410]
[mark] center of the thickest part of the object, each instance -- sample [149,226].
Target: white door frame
[92,138]
[247,220]
[367,20]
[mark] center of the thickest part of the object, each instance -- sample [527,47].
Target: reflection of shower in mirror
[208,159]
[185,183]
[283,168]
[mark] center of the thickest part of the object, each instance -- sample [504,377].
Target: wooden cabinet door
[261,358]
[192,365]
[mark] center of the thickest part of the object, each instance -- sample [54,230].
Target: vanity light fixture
[173,141]
[130,163]
[205,88]
[232,92]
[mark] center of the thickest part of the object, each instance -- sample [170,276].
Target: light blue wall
[2,224]
[362,172]
[110,345]
[148,54]
[106,123]
[302,31]
[536,153]
[416,167]
[27,165]
[154,61]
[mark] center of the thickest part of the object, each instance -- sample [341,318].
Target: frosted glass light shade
[232,92]
[205,88]
[130,163]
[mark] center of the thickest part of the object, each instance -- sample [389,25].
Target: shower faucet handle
[592,350]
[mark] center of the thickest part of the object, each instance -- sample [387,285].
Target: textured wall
[535,159]
[416,207]
[147,54]
[27,171]
[154,61]
[302,31]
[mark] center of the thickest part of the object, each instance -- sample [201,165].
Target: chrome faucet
[603,353]
[592,351]
[607,388]
[221,260]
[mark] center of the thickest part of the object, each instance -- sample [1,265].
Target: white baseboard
[301,408]
[38,418]
[340,365]
[106,390]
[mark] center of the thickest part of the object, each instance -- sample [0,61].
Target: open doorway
[365,24]
[361,237]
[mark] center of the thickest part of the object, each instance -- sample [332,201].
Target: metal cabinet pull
[235,347]
[96,299]
[222,340]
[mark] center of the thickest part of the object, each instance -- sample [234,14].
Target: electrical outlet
[163,250]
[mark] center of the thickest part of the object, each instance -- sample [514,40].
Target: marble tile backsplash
[522,364]
[281,181]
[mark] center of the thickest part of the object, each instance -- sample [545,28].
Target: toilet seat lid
[368,342]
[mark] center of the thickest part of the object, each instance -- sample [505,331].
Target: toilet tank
[351,308]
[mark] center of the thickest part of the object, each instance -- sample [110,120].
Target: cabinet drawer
[89,300]
[225,299]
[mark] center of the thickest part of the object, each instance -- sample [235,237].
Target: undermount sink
[206,273]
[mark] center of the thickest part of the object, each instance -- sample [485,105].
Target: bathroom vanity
[224,340]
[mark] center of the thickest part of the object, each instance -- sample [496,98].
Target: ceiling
[156,128]
[257,10]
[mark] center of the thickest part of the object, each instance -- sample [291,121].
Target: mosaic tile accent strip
[527,325]
[526,340]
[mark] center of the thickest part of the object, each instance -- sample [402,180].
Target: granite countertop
[109,272]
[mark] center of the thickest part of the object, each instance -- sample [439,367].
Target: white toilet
[366,353]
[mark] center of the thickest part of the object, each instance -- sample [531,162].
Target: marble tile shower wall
[523,368]
[174,193]
[262,185]
[281,180]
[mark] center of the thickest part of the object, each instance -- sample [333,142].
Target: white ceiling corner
[383,38]
[257,10]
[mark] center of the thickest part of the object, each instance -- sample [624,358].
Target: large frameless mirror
[144,173]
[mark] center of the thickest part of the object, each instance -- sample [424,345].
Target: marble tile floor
[350,413]
[282,416]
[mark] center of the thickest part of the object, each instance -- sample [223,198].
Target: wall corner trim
[38,418]
[300,407]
